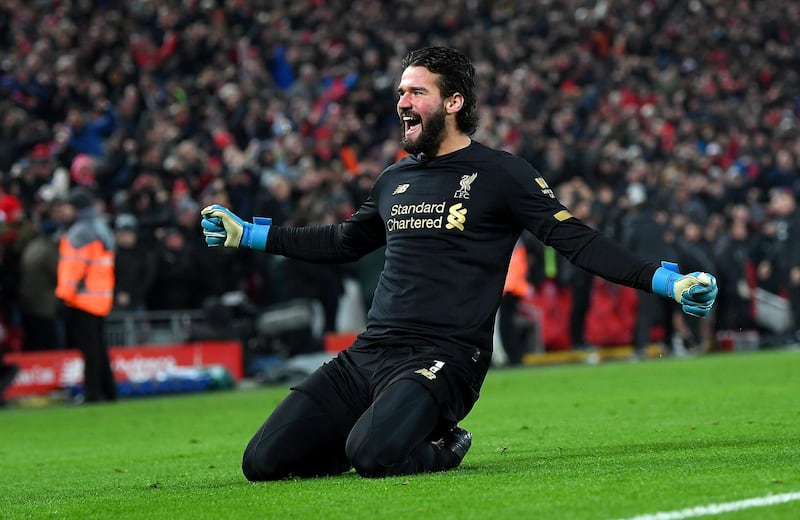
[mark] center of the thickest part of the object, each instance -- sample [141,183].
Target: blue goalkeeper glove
[222,228]
[695,291]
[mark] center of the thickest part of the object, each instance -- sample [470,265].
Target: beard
[429,139]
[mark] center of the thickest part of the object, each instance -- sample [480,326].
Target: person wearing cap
[134,265]
[86,287]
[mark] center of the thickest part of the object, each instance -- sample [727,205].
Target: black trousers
[302,438]
[794,299]
[8,371]
[347,414]
[86,332]
[581,298]
[512,337]
[41,333]
[652,310]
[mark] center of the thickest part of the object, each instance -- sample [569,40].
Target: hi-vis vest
[517,276]
[86,267]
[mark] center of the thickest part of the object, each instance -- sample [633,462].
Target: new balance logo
[457,216]
[401,188]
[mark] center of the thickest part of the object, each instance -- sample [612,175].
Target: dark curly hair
[456,74]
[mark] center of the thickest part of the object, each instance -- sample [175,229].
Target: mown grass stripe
[725,507]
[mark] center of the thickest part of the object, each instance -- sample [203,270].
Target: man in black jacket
[449,215]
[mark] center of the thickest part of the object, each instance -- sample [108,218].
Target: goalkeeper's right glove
[221,227]
[696,292]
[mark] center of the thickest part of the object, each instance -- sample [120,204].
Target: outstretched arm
[603,256]
[344,242]
[540,212]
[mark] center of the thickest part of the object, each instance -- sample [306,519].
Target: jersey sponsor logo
[401,188]
[456,217]
[426,215]
[423,208]
[466,183]
[430,372]
[545,188]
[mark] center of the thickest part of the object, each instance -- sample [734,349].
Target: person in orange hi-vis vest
[516,287]
[86,287]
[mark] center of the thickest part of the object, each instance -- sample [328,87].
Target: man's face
[421,110]
[75,118]
[64,213]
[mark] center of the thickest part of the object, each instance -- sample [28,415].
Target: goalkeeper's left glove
[695,291]
[221,227]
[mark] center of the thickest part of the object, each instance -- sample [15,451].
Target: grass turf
[609,441]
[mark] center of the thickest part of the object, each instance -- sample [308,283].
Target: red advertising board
[47,371]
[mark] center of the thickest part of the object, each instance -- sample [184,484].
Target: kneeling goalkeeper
[449,214]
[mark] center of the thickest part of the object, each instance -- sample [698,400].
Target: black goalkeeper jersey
[449,224]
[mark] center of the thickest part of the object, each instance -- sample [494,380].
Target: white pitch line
[725,507]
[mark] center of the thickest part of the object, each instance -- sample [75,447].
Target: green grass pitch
[614,440]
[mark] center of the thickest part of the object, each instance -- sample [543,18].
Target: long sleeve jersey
[449,224]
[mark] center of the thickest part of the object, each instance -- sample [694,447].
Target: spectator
[41,325]
[134,266]
[580,281]
[675,96]
[86,288]
[736,274]
[783,207]
[8,371]
[175,274]
[647,235]
[693,254]
[12,231]
[516,287]
[88,129]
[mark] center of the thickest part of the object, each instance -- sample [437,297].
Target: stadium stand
[285,108]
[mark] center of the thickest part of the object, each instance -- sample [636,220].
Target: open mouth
[412,125]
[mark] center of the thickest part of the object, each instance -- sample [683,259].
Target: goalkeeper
[449,214]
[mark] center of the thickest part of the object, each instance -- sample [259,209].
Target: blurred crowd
[672,126]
